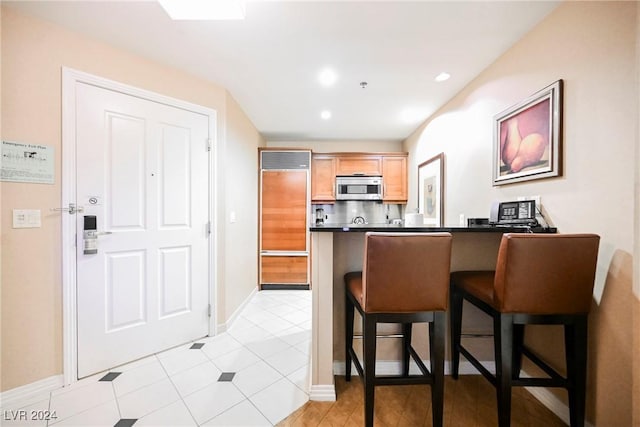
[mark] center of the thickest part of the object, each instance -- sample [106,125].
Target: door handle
[72,209]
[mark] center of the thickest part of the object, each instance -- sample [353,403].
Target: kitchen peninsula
[337,249]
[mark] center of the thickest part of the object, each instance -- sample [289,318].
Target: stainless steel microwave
[359,188]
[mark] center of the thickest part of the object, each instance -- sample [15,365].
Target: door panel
[284,269]
[143,171]
[175,281]
[126,289]
[284,210]
[125,150]
[175,173]
[359,165]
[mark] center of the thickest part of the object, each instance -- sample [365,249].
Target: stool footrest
[476,363]
[403,380]
[416,358]
[425,378]
[356,362]
[556,379]
[542,365]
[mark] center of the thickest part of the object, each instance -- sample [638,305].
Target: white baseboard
[223,327]
[30,393]
[323,392]
[552,403]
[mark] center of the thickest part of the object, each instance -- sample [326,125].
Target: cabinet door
[394,174]
[323,179]
[284,210]
[284,270]
[359,165]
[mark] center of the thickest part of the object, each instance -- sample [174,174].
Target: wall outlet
[26,218]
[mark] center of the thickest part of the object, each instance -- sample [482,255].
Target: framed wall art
[528,137]
[431,190]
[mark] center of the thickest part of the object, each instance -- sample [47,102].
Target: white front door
[143,173]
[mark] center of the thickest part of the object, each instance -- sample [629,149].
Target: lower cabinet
[289,270]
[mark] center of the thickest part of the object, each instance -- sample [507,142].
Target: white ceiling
[270,61]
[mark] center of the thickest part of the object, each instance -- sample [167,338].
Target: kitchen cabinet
[323,179]
[284,220]
[394,175]
[391,166]
[284,269]
[284,211]
[365,164]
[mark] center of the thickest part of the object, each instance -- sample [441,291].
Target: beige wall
[591,46]
[33,53]
[241,237]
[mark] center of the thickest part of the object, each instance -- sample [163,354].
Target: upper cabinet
[359,165]
[391,166]
[394,175]
[323,178]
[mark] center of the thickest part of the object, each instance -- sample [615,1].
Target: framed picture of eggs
[528,138]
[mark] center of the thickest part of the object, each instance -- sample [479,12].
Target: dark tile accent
[196,346]
[226,376]
[125,422]
[110,376]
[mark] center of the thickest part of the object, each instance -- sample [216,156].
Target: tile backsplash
[343,212]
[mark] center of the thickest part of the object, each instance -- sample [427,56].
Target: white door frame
[70,78]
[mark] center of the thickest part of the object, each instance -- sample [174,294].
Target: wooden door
[284,210]
[323,179]
[359,165]
[284,269]
[394,174]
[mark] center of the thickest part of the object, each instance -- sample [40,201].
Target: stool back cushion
[546,274]
[406,272]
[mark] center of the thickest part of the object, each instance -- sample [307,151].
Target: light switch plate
[26,218]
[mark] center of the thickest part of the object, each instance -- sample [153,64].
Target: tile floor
[255,374]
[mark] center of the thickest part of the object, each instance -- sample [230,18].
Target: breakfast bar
[337,249]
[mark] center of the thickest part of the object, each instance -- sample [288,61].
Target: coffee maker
[319,216]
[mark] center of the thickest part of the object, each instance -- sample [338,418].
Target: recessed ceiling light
[327,77]
[204,9]
[442,77]
[326,115]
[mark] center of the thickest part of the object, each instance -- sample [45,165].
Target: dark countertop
[360,228]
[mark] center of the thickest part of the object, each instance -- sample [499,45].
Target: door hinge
[209,228]
[209,310]
[209,144]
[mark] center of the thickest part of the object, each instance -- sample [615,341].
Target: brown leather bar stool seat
[405,280]
[539,279]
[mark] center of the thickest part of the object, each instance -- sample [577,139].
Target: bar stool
[539,279]
[404,280]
